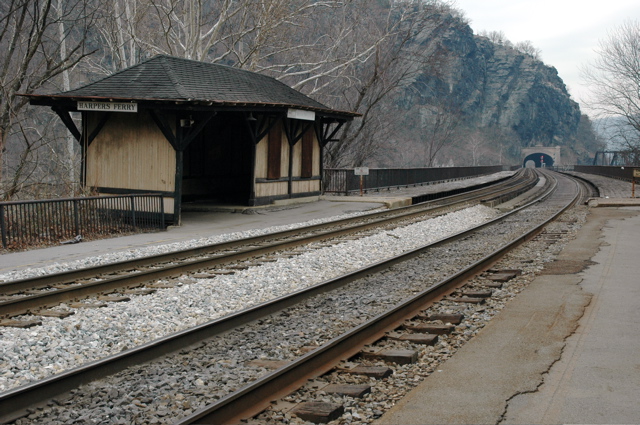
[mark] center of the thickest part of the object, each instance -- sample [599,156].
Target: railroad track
[15,401]
[257,396]
[114,282]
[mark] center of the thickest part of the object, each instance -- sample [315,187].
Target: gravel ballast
[221,365]
[60,344]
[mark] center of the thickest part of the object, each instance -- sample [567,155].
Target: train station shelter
[198,131]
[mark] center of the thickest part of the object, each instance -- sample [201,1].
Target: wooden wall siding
[306,159]
[284,155]
[131,153]
[261,159]
[317,159]
[305,186]
[271,189]
[275,159]
[306,162]
[296,169]
[272,158]
[168,204]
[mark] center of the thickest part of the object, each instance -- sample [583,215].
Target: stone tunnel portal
[538,160]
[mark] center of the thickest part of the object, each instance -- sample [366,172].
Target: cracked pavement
[548,357]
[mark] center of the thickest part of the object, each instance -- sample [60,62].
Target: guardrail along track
[77,284]
[262,390]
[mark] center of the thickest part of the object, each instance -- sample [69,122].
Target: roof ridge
[175,79]
[164,78]
[108,76]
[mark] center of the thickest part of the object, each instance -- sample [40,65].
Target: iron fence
[343,180]
[616,172]
[25,224]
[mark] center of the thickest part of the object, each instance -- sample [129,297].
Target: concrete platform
[194,225]
[614,202]
[210,219]
[564,351]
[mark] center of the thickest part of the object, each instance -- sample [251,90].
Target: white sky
[566,31]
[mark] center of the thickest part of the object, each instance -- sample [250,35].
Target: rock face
[495,85]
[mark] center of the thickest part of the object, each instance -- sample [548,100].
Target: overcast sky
[566,31]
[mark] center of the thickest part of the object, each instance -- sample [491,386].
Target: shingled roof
[168,78]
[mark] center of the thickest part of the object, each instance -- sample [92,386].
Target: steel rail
[14,403]
[255,397]
[35,302]
[521,181]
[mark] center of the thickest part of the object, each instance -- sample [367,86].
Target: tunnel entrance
[538,160]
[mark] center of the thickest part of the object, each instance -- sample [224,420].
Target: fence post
[161,200]
[76,217]
[3,227]
[133,211]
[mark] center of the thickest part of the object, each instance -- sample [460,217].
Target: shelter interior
[217,163]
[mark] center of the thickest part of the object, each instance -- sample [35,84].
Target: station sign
[108,106]
[300,114]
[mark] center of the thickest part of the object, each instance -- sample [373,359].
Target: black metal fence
[25,224]
[616,172]
[342,180]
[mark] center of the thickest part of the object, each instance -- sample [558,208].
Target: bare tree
[31,43]
[440,123]
[348,54]
[496,37]
[528,48]
[475,143]
[374,87]
[614,77]
[120,28]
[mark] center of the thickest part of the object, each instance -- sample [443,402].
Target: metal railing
[616,172]
[25,224]
[344,180]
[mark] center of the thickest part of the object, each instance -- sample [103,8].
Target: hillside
[498,100]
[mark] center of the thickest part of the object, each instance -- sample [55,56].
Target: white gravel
[130,254]
[31,354]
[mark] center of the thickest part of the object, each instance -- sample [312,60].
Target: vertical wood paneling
[284,155]
[261,159]
[297,162]
[275,154]
[306,186]
[271,189]
[131,153]
[316,155]
[306,155]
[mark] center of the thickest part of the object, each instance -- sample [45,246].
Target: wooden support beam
[96,131]
[65,116]
[164,127]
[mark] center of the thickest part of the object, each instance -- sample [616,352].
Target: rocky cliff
[494,87]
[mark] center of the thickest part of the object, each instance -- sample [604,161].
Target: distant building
[198,131]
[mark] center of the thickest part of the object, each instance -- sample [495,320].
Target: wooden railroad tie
[391,356]
[318,412]
[453,318]
[355,391]
[376,372]
[427,328]
[20,323]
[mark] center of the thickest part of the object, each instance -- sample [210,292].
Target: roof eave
[53,99]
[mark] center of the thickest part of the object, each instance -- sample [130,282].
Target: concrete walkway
[566,350]
[597,379]
[194,225]
[214,220]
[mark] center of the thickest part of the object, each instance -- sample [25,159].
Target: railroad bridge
[541,156]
